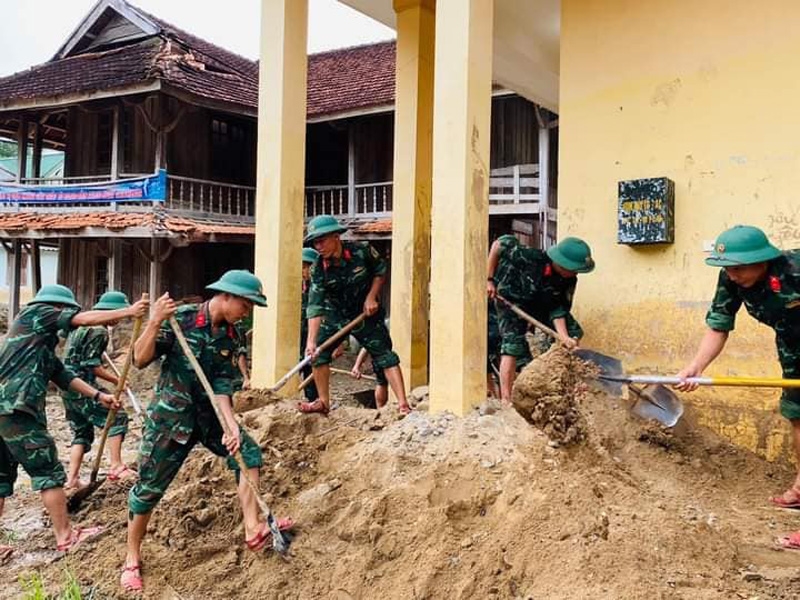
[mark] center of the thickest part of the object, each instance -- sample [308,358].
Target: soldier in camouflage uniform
[181,414]
[346,280]
[766,281]
[310,256]
[241,378]
[28,362]
[84,355]
[543,285]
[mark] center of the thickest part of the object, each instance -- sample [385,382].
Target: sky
[32,30]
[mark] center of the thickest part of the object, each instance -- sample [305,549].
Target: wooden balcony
[512,191]
[182,196]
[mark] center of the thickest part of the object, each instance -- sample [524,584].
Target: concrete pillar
[460,218]
[411,216]
[280,186]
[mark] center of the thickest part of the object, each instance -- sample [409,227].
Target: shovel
[79,496]
[331,341]
[310,378]
[279,543]
[134,402]
[656,403]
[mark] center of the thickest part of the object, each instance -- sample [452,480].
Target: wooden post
[37,151]
[22,148]
[544,185]
[115,265]
[351,170]
[155,269]
[14,282]
[36,266]
[115,131]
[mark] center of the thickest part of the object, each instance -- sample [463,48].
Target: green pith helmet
[112,301]
[55,294]
[321,226]
[742,245]
[240,283]
[572,254]
[310,255]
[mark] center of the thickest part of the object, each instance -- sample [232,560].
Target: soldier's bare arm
[710,346]
[144,350]
[560,325]
[494,259]
[104,317]
[231,441]
[106,375]
[371,303]
[84,389]
[313,332]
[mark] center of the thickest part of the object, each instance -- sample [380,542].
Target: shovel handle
[134,402]
[198,370]
[306,381]
[526,317]
[331,341]
[112,414]
[764,382]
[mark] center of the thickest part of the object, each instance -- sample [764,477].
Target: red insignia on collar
[200,320]
[548,270]
[774,283]
[346,254]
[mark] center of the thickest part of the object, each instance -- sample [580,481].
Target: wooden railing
[370,199]
[202,196]
[514,189]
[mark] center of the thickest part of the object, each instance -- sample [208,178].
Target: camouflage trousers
[372,334]
[84,414]
[161,457]
[513,330]
[24,440]
[789,355]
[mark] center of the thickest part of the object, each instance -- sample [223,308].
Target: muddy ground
[433,506]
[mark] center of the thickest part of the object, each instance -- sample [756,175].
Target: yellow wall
[708,94]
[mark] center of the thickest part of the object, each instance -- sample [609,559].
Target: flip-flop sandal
[78,536]
[123,474]
[131,578]
[782,502]
[790,542]
[264,535]
[313,407]
[5,553]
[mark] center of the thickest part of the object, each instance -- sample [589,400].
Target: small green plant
[33,587]
[72,589]
[9,536]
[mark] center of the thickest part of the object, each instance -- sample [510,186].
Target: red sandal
[5,553]
[790,542]
[77,536]
[131,578]
[123,474]
[264,535]
[782,502]
[317,406]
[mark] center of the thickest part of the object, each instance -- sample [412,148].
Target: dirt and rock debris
[434,506]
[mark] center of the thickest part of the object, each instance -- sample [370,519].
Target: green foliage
[33,587]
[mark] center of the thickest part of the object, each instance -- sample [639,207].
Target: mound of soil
[547,394]
[434,506]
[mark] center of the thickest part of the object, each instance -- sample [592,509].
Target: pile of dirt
[547,394]
[434,506]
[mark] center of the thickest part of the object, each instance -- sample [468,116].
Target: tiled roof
[378,226]
[351,78]
[117,222]
[339,81]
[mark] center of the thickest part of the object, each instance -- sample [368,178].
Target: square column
[411,215]
[460,218]
[280,186]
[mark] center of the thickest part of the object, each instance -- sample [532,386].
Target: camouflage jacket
[180,399]
[526,275]
[340,286]
[241,328]
[306,285]
[774,301]
[28,359]
[84,352]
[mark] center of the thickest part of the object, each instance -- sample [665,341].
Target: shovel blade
[658,403]
[608,365]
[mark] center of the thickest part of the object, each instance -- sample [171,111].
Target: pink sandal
[782,502]
[264,535]
[790,542]
[316,406]
[131,578]
[77,537]
[5,553]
